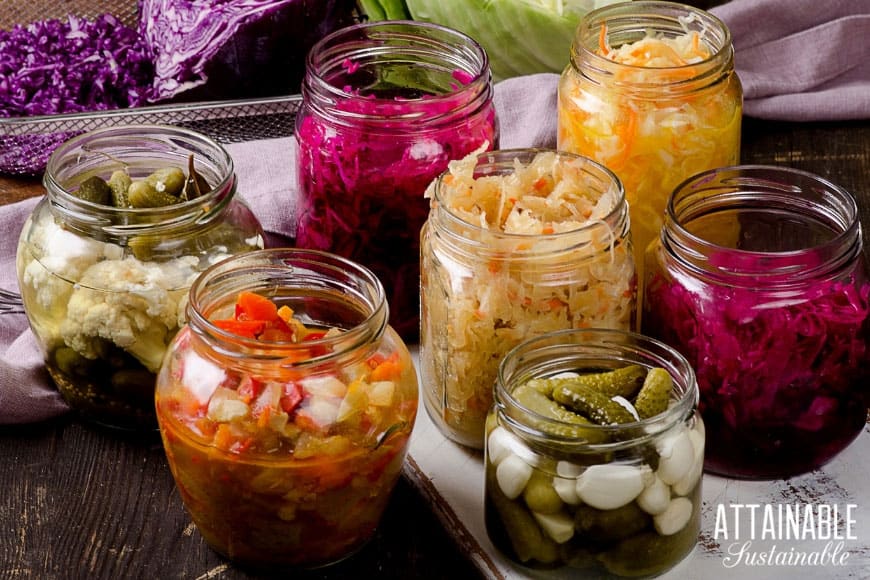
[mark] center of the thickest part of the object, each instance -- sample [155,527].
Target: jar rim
[279,269]
[500,162]
[607,345]
[771,188]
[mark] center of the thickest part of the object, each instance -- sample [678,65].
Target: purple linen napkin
[267,177]
[801,60]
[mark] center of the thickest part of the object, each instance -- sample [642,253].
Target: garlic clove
[655,497]
[676,456]
[568,469]
[566,489]
[512,475]
[499,445]
[609,486]
[626,404]
[674,518]
[559,526]
[688,482]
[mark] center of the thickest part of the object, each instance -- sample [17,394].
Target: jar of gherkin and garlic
[131,216]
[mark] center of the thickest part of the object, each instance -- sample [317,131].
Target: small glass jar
[386,106]
[285,453]
[488,284]
[614,500]
[657,116]
[105,287]
[759,280]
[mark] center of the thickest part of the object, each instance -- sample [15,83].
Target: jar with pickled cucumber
[131,216]
[594,455]
[286,406]
[651,93]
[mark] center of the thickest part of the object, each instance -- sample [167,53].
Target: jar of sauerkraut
[286,406]
[131,216]
[759,279]
[594,455]
[518,243]
[651,93]
[385,106]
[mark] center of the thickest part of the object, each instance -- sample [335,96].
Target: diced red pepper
[252,306]
[245,328]
[291,397]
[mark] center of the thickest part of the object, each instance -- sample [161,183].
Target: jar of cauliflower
[594,455]
[651,93]
[131,216]
[518,243]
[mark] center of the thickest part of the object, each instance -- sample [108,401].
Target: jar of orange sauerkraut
[518,243]
[651,93]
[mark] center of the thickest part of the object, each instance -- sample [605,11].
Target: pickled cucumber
[540,404]
[540,495]
[623,382]
[94,190]
[169,180]
[649,554]
[524,534]
[611,525]
[119,183]
[655,393]
[592,404]
[143,194]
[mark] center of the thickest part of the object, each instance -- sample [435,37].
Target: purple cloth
[801,60]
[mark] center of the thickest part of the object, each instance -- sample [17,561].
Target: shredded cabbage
[783,378]
[652,144]
[541,252]
[361,185]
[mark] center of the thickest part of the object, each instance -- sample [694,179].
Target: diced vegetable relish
[541,255]
[652,143]
[278,465]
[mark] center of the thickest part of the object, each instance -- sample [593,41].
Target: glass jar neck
[747,225]
[626,23]
[138,150]
[323,290]
[397,75]
[478,242]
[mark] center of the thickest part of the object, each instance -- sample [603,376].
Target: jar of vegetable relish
[385,106]
[131,216]
[579,482]
[760,281]
[518,243]
[286,405]
[651,93]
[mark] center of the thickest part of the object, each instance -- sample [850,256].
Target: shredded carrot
[389,370]
[603,47]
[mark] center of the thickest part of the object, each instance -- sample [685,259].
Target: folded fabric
[267,178]
[801,60]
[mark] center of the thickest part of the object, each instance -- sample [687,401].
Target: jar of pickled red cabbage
[286,405]
[594,455]
[518,243]
[651,93]
[386,106]
[760,281]
[131,216]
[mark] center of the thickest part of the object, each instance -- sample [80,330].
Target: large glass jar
[518,243]
[105,287]
[385,107]
[651,93]
[760,281]
[589,489]
[286,452]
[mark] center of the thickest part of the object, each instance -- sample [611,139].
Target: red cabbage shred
[783,382]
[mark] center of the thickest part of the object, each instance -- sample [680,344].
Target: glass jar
[656,116]
[759,280]
[105,287]
[615,500]
[286,452]
[386,106]
[554,251]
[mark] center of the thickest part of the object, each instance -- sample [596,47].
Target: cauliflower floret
[136,307]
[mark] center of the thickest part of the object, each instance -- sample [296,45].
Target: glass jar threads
[518,243]
[132,214]
[651,93]
[286,406]
[385,106]
[759,280]
[577,480]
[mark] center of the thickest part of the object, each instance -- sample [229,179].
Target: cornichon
[540,495]
[624,382]
[526,538]
[94,190]
[540,404]
[655,393]
[593,404]
[119,183]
